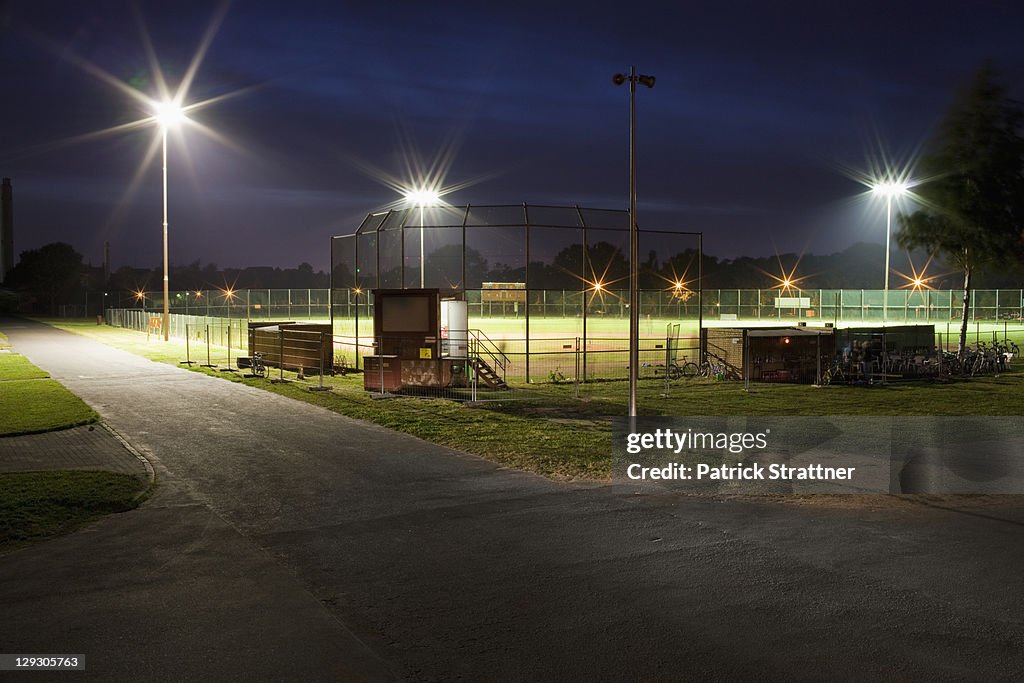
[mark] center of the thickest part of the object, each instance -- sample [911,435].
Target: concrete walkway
[288,542]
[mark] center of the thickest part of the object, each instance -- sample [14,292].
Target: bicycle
[259,368]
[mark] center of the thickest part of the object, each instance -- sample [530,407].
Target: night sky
[757,111]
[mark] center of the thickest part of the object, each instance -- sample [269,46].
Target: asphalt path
[288,542]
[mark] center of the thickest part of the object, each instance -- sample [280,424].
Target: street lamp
[168,114]
[421,198]
[888,189]
[634,248]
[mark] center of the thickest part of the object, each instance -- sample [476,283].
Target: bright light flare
[422,197]
[169,114]
[891,189]
[787,280]
[140,295]
[228,293]
[918,280]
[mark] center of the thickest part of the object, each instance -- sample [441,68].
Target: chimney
[6,229]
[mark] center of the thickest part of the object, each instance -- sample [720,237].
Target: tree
[53,270]
[972,200]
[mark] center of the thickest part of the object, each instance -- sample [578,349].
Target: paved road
[284,533]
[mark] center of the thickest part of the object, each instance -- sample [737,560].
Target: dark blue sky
[757,108]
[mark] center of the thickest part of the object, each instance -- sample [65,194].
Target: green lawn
[16,366]
[33,403]
[35,506]
[545,428]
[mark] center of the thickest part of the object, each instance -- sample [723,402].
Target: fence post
[746,361]
[228,368]
[208,364]
[188,357]
[576,375]
[320,386]
[280,358]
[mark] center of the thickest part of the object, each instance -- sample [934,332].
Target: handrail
[481,342]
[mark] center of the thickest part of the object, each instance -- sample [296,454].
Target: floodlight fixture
[168,113]
[423,197]
[890,189]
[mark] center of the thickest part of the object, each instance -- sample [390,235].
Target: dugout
[783,354]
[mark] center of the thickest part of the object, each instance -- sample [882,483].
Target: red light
[785,340]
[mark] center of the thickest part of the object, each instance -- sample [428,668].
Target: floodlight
[890,188]
[422,197]
[168,114]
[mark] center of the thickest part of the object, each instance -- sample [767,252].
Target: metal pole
[700,296]
[577,378]
[280,358]
[321,386]
[422,264]
[208,363]
[188,358]
[526,218]
[818,350]
[228,368]
[888,231]
[167,313]
[634,271]
[746,361]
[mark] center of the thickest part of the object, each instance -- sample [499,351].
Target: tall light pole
[634,248]
[889,189]
[168,114]
[422,198]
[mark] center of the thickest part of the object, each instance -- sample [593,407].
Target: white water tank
[455,328]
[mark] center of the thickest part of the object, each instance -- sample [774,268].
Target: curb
[150,472]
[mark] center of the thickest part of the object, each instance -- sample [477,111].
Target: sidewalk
[93,447]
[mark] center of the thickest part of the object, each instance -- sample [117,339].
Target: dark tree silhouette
[53,271]
[973,197]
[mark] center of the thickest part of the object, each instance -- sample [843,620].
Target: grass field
[32,402]
[35,506]
[546,428]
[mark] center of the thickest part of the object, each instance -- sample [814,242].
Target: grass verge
[35,506]
[34,403]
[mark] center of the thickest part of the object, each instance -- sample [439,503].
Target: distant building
[6,229]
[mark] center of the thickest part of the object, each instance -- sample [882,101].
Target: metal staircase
[487,374]
[487,360]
